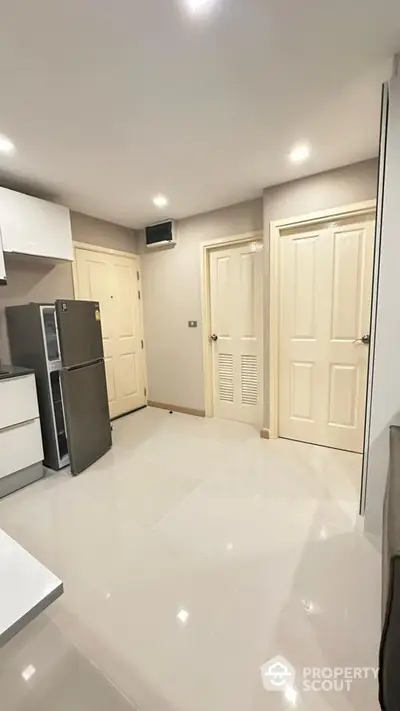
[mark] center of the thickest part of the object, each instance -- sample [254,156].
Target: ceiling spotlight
[300,153]
[197,7]
[183,616]
[28,672]
[6,146]
[160,201]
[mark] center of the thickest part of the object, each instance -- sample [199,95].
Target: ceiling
[110,103]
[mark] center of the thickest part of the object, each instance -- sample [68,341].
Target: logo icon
[277,674]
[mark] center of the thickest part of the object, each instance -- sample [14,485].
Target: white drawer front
[20,446]
[18,400]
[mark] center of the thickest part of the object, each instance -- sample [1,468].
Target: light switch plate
[192,324]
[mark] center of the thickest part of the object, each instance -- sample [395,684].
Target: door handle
[213,337]
[364,339]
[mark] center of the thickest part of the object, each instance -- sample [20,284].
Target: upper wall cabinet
[32,226]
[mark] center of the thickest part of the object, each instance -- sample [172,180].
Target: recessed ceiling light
[300,153]
[197,7]
[6,146]
[28,672]
[183,616]
[160,201]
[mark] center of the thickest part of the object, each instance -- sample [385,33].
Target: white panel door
[325,292]
[236,320]
[112,280]
[95,283]
[127,333]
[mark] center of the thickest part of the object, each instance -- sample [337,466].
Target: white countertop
[26,587]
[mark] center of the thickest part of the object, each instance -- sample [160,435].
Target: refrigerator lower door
[86,414]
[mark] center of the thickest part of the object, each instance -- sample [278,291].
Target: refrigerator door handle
[86,363]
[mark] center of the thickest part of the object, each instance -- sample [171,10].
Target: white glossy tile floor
[191,554]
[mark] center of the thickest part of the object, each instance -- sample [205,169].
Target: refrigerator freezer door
[86,414]
[79,331]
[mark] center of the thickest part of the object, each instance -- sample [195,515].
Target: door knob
[364,339]
[213,337]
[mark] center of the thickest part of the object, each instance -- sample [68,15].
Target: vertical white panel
[125,301]
[347,291]
[304,291]
[128,374]
[385,392]
[246,295]
[109,366]
[223,297]
[343,395]
[302,390]
[375,281]
[100,290]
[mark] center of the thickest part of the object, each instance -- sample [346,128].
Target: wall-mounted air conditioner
[161,235]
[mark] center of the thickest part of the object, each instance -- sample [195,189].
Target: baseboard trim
[264,434]
[177,408]
[21,478]
[125,414]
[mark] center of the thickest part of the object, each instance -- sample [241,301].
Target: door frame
[117,253]
[206,248]
[276,229]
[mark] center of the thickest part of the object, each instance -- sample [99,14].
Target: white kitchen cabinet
[18,401]
[32,226]
[21,448]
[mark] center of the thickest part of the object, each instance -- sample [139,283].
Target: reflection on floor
[191,554]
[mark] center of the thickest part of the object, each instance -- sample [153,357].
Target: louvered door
[236,319]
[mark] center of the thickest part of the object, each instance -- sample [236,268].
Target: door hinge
[145,392]
[138,275]
[139,294]
[142,344]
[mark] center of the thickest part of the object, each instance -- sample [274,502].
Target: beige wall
[103,234]
[172,297]
[30,279]
[172,278]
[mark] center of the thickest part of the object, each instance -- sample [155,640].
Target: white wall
[385,395]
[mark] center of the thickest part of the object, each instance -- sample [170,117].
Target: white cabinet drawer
[18,400]
[20,446]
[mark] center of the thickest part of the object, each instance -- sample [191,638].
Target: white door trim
[105,250]
[205,250]
[276,227]
[116,253]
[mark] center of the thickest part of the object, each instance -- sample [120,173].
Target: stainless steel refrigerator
[63,343]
